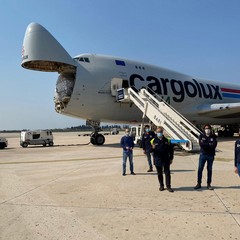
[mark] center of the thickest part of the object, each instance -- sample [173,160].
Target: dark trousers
[149,158]
[166,170]
[202,160]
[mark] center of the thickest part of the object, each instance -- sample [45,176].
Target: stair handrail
[153,94]
[180,128]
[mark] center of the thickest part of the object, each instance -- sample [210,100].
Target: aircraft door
[117,83]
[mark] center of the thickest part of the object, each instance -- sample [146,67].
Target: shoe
[161,188]
[198,186]
[150,170]
[132,173]
[170,189]
[209,187]
[124,174]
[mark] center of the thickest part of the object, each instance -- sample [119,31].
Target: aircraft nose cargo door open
[42,52]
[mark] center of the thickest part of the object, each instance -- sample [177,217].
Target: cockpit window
[82,59]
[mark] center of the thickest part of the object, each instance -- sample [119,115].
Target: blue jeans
[202,160]
[127,154]
[149,158]
[238,167]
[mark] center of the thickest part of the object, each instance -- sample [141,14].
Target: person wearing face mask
[147,136]
[163,156]
[127,145]
[208,144]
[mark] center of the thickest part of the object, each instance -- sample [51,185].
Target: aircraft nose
[34,27]
[42,52]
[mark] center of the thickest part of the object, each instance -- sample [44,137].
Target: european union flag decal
[120,63]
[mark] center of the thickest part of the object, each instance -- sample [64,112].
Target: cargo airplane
[87,86]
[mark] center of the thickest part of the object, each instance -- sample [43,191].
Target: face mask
[147,129]
[207,131]
[159,134]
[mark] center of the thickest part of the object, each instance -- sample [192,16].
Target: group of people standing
[156,145]
[152,143]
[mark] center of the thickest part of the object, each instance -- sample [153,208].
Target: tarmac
[76,191]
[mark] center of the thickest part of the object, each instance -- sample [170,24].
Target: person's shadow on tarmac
[191,188]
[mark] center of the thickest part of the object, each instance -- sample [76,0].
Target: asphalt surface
[75,190]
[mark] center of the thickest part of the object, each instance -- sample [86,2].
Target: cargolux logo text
[180,89]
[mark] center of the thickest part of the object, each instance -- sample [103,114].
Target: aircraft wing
[220,110]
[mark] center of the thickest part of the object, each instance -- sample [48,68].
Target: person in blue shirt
[127,145]
[237,157]
[208,144]
[147,136]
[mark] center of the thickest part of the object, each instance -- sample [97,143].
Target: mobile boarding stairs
[162,114]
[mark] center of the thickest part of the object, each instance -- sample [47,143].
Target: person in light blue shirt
[127,145]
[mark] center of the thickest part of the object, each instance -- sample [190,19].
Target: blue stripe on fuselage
[231,95]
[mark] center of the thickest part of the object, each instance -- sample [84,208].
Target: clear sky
[196,37]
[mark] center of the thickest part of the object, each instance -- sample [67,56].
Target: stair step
[160,112]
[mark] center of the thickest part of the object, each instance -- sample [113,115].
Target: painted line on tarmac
[67,160]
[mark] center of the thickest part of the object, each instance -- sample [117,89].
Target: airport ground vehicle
[136,132]
[114,131]
[3,142]
[37,137]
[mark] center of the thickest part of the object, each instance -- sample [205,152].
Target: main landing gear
[96,138]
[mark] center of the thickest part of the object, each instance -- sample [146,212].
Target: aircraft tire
[92,140]
[99,139]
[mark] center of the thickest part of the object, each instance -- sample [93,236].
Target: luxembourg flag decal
[230,93]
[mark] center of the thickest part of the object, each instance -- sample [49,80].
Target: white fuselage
[92,97]
[86,86]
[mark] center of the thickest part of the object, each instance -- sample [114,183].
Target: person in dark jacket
[237,157]
[127,145]
[147,136]
[208,144]
[163,156]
